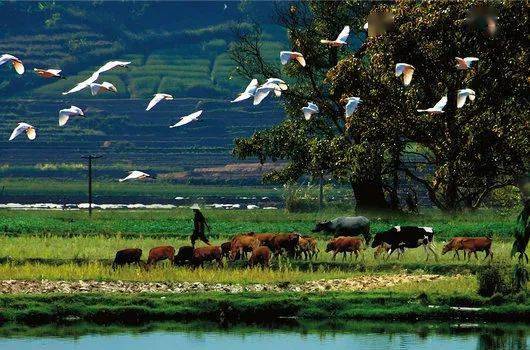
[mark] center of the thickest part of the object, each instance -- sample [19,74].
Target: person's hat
[195,207]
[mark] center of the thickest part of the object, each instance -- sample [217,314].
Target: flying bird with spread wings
[309,110]
[96,88]
[249,91]
[135,175]
[15,61]
[157,98]
[341,38]
[406,70]
[465,63]
[438,107]
[24,127]
[187,119]
[95,76]
[49,73]
[65,114]
[286,56]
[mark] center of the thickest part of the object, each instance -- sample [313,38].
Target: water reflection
[286,335]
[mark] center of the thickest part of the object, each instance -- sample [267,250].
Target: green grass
[111,187]
[249,307]
[177,223]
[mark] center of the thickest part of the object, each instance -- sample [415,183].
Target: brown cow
[260,255]
[307,246]
[343,244]
[264,239]
[207,253]
[241,244]
[225,249]
[160,253]
[454,245]
[127,257]
[477,244]
[285,241]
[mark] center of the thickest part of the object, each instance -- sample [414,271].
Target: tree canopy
[458,156]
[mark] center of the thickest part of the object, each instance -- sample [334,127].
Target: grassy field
[68,245]
[20,187]
[177,223]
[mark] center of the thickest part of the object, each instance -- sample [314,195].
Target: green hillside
[173,49]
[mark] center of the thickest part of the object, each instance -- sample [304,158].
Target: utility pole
[90,157]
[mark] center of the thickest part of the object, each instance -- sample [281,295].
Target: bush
[492,279]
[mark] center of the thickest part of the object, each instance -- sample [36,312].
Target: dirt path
[358,283]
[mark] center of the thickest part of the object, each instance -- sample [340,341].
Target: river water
[359,335]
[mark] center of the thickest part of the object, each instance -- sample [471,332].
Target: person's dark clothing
[200,224]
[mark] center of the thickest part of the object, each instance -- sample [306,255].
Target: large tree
[459,156]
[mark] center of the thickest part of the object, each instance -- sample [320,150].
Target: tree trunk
[369,195]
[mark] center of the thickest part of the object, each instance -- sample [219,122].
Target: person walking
[200,224]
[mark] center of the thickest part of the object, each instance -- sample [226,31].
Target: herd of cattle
[350,235]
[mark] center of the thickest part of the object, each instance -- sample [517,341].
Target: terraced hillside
[122,131]
[180,48]
[173,49]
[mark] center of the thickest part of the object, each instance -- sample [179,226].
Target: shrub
[492,279]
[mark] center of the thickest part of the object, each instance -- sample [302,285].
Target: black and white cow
[401,237]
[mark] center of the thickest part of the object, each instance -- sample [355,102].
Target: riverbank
[257,307]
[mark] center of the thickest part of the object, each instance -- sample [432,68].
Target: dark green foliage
[245,307]
[492,279]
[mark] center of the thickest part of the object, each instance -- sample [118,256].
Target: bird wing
[109,86]
[285,56]
[94,88]
[157,98]
[112,64]
[242,97]
[461,99]
[407,74]
[19,67]
[54,71]
[4,58]
[252,86]
[327,42]
[441,104]
[18,130]
[400,67]
[80,86]
[260,94]
[313,106]
[343,35]
[308,112]
[187,119]
[31,133]
[469,60]
[301,60]
[64,115]
[351,106]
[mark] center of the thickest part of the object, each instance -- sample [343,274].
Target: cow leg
[343,256]
[391,250]
[426,252]
[476,256]
[429,246]
[356,255]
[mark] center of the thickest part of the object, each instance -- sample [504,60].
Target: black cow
[184,256]
[346,226]
[127,257]
[401,237]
